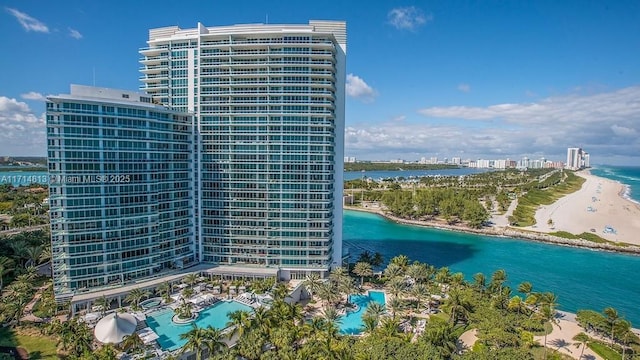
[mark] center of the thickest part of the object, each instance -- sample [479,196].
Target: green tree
[103,303]
[135,296]
[313,283]
[363,270]
[612,317]
[196,338]
[241,322]
[132,342]
[6,266]
[582,340]
[547,314]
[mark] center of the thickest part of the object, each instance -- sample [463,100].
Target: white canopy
[114,327]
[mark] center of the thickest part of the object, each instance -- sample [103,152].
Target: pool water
[352,322]
[169,333]
[151,303]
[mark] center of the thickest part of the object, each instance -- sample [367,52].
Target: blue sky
[473,79]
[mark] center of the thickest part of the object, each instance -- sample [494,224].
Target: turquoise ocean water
[628,175]
[582,279]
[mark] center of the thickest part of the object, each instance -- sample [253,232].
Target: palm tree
[165,291]
[389,326]
[313,283]
[103,303]
[420,292]
[480,281]
[33,253]
[443,276]
[397,286]
[132,342]
[190,279]
[240,320]
[547,314]
[375,310]
[377,259]
[6,266]
[196,338]
[213,340]
[135,296]
[497,280]
[582,339]
[525,288]
[261,320]
[612,318]
[369,324]
[457,280]
[330,315]
[623,329]
[184,310]
[393,271]
[45,255]
[458,306]
[363,269]
[400,260]
[395,305]
[441,336]
[418,272]
[187,293]
[515,303]
[328,293]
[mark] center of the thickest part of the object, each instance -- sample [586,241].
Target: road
[23,229]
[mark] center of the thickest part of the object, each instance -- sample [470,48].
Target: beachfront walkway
[561,339]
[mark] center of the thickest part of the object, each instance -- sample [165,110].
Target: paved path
[28,314]
[561,339]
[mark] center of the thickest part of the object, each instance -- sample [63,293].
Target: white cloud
[21,131]
[623,131]
[408,18]
[358,88]
[32,95]
[28,23]
[464,87]
[398,118]
[606,125]
[75,34]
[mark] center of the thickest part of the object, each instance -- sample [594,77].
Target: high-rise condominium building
[269,107]
[256,181]
[577,159]
[121,188]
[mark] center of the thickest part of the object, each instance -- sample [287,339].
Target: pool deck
[175,276]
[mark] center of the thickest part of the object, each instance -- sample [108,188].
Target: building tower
[120,188]
[269,107]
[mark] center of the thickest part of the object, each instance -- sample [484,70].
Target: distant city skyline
[470,80]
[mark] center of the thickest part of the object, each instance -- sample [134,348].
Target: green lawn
[524,214]
[603,350]
[38,346]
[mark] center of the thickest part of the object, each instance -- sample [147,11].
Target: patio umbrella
[114,327]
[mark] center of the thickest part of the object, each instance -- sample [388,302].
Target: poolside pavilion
[82,301]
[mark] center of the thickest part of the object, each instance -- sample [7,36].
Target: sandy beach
[598,207]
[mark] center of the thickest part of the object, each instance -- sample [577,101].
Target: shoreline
[504,232]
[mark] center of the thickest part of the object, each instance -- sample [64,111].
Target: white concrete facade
[269,104]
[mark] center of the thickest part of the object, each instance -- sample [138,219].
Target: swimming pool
[352,322]
[151,303]
[169,333]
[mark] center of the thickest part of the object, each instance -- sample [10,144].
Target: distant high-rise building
[456,160]
[577,159]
